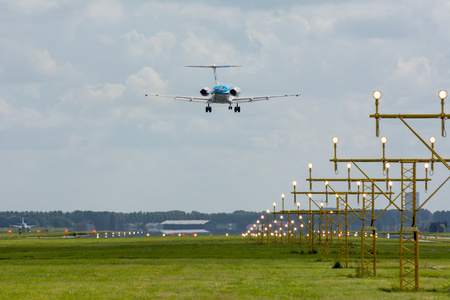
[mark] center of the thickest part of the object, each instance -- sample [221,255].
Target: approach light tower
[409,243]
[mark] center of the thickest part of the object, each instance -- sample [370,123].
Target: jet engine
[205,91]
[235,91]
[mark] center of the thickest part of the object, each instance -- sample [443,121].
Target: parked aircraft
[221,93]
[23,227]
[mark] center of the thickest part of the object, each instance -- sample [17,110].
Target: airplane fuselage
[222,93]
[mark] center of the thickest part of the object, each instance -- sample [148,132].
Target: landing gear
[237,109]
[230,107]
[208,109]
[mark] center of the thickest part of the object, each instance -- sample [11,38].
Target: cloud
[43,61]
[31,7]
[107,103]
[92,102]
[417,71]
[27,117]
[153,47]
[105,11]
[146,81]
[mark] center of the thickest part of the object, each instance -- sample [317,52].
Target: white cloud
[107,40]
[153,47]
[107,11]
[416,71]
[146,81]
[43,61]
[205,48]
[11,117]
[31,7]
[94,95]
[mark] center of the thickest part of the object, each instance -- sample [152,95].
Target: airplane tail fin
[214,67]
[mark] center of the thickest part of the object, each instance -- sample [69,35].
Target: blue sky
[76,131]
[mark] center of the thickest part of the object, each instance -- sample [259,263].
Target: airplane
[23,226]
[221,93]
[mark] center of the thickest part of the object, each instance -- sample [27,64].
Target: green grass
[204,268]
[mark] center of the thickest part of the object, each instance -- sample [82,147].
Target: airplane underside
[237,108]
[223,99]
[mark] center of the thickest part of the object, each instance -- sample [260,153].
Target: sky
[77,132]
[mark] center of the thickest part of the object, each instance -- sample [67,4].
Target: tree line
[104,220]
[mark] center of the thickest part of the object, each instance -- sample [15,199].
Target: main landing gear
[237,108]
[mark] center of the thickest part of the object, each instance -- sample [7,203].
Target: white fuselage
[222,93]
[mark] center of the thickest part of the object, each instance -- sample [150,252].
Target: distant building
[153,227]
[200,227]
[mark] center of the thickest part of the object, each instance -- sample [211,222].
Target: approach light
[310,165]
[442,94]
[294,183]
[335,140]
[432,140]
[383,140]
[376,95]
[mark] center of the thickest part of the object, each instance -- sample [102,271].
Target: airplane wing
[260,98]
[16,226]
[183,98]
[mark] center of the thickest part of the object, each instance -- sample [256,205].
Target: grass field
[204,268]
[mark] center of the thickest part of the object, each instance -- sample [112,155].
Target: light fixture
[376,95]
